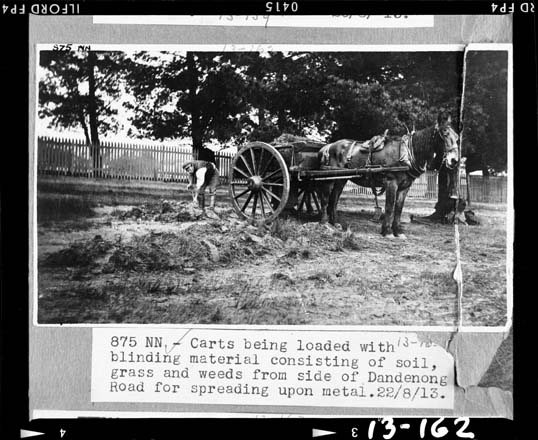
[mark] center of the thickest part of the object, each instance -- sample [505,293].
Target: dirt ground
[166,262]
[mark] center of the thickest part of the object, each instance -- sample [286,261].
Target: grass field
[164,262]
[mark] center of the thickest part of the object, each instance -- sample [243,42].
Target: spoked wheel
[260,182]
[308,200]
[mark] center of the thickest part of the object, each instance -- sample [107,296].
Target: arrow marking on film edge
[25,433]
[321,432]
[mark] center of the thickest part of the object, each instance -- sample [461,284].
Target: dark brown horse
[416,150]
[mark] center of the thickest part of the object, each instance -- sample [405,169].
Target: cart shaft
[344,173]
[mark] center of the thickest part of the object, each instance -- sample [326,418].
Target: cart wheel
[260,182]
[308,199]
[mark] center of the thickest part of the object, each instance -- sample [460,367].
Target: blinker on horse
[435,144]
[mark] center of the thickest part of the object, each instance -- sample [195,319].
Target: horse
[436,145]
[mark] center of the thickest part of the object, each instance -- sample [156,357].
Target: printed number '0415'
[281,7]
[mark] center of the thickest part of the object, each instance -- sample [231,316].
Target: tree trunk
[92,113]
[198,150]
[447,205]
[206,154]
[282,122]
[84,125]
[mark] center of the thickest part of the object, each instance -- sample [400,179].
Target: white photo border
[508,47]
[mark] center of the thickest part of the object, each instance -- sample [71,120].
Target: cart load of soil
[299,142]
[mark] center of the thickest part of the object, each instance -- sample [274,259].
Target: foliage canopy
[234,97]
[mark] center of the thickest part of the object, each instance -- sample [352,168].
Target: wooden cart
[266,179]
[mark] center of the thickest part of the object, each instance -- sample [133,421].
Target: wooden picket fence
[492,189]
[158,162]
[119,160]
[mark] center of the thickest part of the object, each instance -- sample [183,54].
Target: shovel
[378,212]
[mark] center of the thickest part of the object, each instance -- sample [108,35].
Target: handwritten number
[461,432]
[387,421]
[423,424]
[441,431]
[62,47]
[371,429]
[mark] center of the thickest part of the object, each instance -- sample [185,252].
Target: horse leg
[335,197]
[390,199]
[324,195]
[396,225]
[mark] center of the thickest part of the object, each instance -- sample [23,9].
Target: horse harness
[407,156]
[375,144]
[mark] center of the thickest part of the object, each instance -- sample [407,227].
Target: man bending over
[202,175]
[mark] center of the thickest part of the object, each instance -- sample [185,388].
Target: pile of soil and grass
[80,254]
[202,245]
[166,262]
[167,211]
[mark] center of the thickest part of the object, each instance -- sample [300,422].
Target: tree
[485,115]
[78,89]
[397,91]
[199,95]
[484,134]
[354,95]
[239,96]
[262,95]
[285,91]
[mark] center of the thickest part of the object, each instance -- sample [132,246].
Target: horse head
[449,145]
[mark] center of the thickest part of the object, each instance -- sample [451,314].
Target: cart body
[266,178]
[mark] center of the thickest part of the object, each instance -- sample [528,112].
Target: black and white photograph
[273,186]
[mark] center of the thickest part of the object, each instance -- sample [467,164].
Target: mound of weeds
[233,241]
[79,254]
[165,211]
[347,240]
[284,229]
[158,251]
[314,235]
[299,253]
[351,241]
